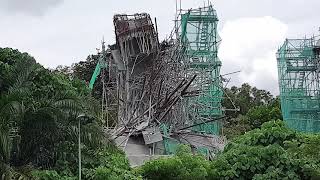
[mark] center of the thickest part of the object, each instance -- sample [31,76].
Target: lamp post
[79,148]
[79,142]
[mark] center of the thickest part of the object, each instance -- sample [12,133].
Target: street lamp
[81,116]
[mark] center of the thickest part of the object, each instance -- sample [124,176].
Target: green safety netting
[208,128]
[101,64]
[200,40]
[95,75]
[299,84]
[204,151]
[171,145]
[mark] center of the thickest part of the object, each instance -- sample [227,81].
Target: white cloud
[250,45]
[64,32]
[30,7]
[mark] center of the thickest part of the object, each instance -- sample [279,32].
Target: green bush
[250,162]
[271,152]
[103,173]
[100,165]
[50,175]
[183,165]
[268,153]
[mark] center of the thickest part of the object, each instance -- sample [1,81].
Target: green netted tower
[199,39]
[198,53]
[298,70]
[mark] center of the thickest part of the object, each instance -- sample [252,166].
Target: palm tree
[38,114]
[11,115]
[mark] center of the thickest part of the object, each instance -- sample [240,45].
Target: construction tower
[199,44]
[298,70]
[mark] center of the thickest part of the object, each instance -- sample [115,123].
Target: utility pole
[79,148]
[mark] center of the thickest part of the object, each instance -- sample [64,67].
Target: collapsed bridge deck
[165,93]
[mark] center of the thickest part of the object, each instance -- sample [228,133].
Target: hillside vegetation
[40,110]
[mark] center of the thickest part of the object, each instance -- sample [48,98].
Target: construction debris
[164,94]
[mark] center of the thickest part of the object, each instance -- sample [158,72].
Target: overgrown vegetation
[39,113]
[270,152]
[183,165]
[267,153]
[40,109]
[255,107]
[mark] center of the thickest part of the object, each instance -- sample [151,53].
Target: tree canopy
[39,111]
[40,108]
[256,107]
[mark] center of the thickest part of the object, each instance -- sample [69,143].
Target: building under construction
[298,70]
[163,94]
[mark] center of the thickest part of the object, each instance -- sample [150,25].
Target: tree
[256,107]
[261,114]
[8,59]
[84,70]
[245,97]
[38,111]
[264,154]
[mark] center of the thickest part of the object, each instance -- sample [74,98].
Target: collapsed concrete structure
[164,94]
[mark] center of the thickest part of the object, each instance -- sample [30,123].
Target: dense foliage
[39,114]
[183,165]
[83,70]
[255,107]
[40,110]
[244,97]
[271,152]
[97,165]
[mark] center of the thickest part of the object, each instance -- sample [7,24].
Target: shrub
[183,165]
[265,154]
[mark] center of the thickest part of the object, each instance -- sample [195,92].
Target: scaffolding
[298,69]
[199,44]
[169,93]
[109,102]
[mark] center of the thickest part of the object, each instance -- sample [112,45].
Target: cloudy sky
[65,31]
